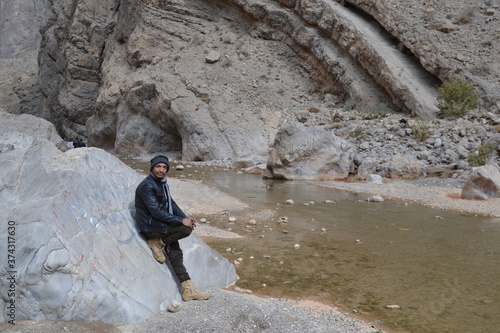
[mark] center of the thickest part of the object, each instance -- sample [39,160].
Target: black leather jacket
[152,207]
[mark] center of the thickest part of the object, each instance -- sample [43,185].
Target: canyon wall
[134,77]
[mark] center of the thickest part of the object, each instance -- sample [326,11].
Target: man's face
[160,170]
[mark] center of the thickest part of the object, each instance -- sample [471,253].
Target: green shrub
[382,108]
[421,131]
[358,133]
[349,105]
[481,155]
[456,98]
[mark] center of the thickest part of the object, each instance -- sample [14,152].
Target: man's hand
[189,222]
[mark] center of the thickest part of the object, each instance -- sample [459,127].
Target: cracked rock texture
[74,253]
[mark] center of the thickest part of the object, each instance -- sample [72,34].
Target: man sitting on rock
[160,219]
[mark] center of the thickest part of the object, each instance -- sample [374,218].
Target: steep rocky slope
[134,76]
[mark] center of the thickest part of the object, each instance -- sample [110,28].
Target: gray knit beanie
[159,159]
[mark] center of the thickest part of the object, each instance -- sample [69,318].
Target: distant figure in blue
[77,143]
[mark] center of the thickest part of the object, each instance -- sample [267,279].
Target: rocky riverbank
[443,193]
[228,310]
[398,146]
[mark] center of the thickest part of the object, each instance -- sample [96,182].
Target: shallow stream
[407,267]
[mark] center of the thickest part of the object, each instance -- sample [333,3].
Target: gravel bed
[228,311]
[443,193]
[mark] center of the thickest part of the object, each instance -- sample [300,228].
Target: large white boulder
[309,153]
[70,250]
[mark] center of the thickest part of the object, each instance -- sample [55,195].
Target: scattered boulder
[17,131]
[483,183]
[404,166]
[309,153]
[374,179]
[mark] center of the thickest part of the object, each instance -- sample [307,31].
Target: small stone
[252,222]
[212,57]
[175,306]
[438,143]
[393,307]
[228,249]
[289,202]
[329,202]
[179,167]
[296,246]
[375,198]
[203,220]
[460,57]
[241,290]
[282,220]
[232,219]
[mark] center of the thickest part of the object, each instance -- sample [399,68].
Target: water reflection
[439,268]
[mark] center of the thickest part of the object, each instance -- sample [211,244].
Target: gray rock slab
[70,247]
[309,153]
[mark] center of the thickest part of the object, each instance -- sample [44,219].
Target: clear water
[441,268]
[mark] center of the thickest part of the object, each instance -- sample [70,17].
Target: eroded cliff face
[160,93]
[448,38]
[74,37]
[133,76]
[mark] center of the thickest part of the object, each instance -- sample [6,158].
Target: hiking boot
[189,292]
[156,245]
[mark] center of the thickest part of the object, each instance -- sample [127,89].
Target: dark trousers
[173,249]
